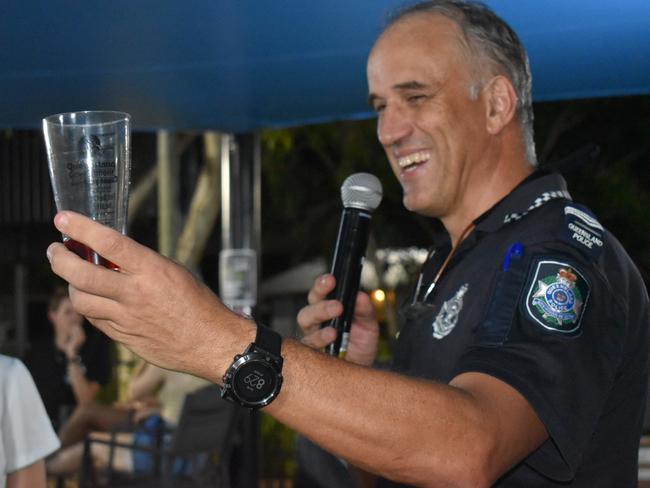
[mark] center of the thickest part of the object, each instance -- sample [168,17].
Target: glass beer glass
[89,159]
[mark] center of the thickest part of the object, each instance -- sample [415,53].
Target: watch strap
[267,339]
[265,351]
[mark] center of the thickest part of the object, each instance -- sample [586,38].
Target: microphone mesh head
[362,191]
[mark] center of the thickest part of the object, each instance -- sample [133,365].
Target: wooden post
[168,180]
[204,208]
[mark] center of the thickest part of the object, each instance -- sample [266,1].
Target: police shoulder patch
[582,230]
[557,296]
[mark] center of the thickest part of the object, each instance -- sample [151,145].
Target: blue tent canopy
[241,65]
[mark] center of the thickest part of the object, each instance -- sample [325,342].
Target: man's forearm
[406,429]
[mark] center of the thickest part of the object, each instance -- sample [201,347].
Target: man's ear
[500,103]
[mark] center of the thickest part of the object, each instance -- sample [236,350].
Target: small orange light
[379,295]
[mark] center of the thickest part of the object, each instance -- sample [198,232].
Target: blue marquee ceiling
[240,65]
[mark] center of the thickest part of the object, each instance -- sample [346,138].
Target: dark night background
[602,146]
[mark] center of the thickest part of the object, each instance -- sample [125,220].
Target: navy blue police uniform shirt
[542,297]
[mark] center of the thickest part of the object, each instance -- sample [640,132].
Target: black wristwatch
[254,378]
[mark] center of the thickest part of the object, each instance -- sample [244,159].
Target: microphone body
[346,268]
[361,194]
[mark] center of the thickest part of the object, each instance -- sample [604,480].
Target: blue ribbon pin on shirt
[516,251]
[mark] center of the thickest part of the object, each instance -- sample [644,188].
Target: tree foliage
[302,173]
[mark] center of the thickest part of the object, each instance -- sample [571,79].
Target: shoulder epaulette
[582,230]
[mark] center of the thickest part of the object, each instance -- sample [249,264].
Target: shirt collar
[533,192]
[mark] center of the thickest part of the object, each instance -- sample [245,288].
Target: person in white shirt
[26,434]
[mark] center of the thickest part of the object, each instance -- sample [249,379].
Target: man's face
[65,318]
[432,131]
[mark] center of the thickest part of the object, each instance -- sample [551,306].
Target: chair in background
[203,440]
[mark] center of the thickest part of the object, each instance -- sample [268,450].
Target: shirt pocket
[509,282]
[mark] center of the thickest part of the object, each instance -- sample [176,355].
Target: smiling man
[446,120]
[523,358]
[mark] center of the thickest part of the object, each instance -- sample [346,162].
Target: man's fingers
[105,314]
[319,309]
[84,275]
[107,242]
[311,316]
[92,306]
[320,338]
[364,310]
[109,328]
[322,286]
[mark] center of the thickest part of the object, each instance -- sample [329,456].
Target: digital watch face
[255,381]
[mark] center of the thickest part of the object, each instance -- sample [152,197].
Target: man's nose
[392,126]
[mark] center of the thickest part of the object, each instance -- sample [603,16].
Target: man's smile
[412,160]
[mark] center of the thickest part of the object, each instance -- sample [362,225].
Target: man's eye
[379,107]
[416,98]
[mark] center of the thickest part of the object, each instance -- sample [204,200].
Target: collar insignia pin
[447,318]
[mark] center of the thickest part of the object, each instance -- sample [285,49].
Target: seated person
[26,434]
[69,369]
[155,397]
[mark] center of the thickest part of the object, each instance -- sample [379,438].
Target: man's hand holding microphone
[339,318]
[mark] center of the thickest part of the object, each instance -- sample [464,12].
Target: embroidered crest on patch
[557,297]
[447,318]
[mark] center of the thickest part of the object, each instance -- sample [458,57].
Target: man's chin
[412,205]
[419,207]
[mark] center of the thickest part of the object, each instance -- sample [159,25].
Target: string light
[379,295]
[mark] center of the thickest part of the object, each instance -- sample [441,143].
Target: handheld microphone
[361,194]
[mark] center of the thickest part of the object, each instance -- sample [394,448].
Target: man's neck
[493,188]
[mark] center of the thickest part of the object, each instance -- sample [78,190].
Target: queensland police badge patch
[557,297]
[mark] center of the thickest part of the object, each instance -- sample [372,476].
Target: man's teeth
[412,159]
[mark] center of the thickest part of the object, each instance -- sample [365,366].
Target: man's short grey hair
[488,38]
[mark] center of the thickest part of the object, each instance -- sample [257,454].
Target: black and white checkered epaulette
[545,197]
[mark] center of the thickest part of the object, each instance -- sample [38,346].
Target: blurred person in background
[70,368]
[154,402]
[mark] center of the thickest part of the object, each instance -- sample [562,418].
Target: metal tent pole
[238,263]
